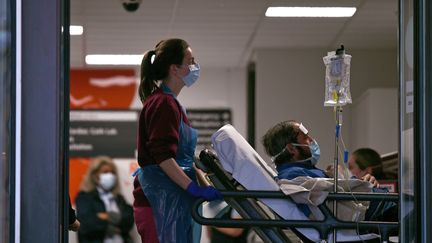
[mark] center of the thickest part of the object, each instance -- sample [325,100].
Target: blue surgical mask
[314,149]
[193,75]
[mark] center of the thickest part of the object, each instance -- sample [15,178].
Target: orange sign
[77,170]
[102,88]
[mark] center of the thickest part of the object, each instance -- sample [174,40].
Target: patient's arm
[233,232]
[341,175]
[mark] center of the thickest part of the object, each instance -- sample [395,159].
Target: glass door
[408,170]
[415,62]
[6,123]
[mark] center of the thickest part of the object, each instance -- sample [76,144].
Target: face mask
[314,149]
[193,75]
[107,181]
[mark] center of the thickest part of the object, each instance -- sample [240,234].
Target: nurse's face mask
[193,75]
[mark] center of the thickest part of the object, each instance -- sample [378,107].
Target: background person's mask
[107,181]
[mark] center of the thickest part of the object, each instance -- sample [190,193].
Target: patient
[295,153]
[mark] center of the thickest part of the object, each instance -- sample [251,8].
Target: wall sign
[114,132]
[111,133]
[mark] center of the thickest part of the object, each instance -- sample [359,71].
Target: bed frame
[266,223]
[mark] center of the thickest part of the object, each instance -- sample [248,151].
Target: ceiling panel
[224,33]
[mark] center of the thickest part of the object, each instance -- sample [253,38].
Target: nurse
[166,142]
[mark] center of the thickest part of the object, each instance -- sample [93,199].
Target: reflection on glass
[5,82]
[408,223]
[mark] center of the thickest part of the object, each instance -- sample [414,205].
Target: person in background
[365,161]
[228,235]
[166,143]
[224,234]
[74,223]
[103,212]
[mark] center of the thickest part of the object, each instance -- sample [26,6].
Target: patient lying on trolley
[295,154]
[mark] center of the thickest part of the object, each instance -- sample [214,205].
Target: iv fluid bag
[337,78]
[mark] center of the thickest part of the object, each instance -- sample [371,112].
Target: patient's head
[287,141]
[365,161]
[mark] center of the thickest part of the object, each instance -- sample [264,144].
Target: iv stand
[338,114]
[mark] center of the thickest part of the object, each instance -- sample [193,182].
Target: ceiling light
[113,59]
[310,11]
[76,30]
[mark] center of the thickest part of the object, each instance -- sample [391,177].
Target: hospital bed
[248,185]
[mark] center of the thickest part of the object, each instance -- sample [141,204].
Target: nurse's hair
[367,157]
[156,63]
[277,137]
[90,181]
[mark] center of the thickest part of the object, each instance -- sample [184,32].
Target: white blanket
[251,171]
[313,192]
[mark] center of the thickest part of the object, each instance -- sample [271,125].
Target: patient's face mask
[315,151]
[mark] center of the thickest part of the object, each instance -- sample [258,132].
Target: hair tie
[152,57]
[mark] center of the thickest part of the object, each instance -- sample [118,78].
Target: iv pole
[338,118]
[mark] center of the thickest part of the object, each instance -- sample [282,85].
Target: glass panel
[5,117]
[408,224]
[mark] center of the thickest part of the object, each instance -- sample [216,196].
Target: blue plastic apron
[171,205]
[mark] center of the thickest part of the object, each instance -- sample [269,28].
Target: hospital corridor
[202,121]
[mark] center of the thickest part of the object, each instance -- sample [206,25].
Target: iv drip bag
[337,78]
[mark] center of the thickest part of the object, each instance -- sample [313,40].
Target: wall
[217,88]
[290,85]
[374,120]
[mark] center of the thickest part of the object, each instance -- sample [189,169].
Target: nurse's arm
[175,173]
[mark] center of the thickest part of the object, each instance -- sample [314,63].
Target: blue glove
[209,193]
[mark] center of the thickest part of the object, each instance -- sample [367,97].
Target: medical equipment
[238,166]
[337,95]
[337,78]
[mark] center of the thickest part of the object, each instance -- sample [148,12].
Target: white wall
[219,88]
[374,120]
[216,88]
[290,85]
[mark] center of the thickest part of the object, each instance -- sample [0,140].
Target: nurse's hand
[209,193]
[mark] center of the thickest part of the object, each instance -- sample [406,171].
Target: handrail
[322,226]
[331,196]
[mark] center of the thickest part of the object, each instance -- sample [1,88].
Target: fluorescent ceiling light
[113,59]
[310,11]
[76,30]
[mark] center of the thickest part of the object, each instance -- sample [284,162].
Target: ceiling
[225,33]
